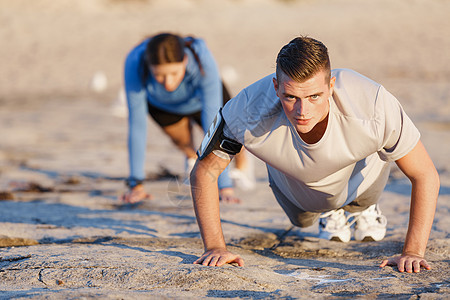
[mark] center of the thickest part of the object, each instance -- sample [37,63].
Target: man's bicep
[211,166]
[215,141]
[397,133]
[416,163]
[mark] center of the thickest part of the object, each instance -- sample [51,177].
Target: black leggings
[164,118]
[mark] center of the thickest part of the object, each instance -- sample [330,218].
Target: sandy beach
[63,157]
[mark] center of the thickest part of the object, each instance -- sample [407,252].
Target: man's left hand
[408,263]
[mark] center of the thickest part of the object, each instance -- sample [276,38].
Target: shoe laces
[370,217]
[334,220]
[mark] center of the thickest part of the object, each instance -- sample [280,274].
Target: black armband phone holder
[215,136]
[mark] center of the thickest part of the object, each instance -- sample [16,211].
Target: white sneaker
[370,224]
[188,166]
[333,226]
[243,180]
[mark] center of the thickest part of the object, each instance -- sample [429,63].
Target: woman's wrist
[132,182]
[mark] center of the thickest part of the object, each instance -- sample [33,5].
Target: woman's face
[169,75]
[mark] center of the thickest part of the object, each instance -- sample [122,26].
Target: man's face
[305,103]
[169,75]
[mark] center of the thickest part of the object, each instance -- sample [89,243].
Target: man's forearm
[423,206]
[205,194]
[206,206]
[420,170]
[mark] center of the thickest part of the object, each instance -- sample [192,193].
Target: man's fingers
[388,262]
[416,266]
[384,263]
[206,260]
[425,264]
[409,264]
[401,265]
[221,261]
[419,264]
[218,259]
[214,260]
[240,262]
[226,259]
[200,259]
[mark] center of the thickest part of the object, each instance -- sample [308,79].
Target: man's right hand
[135,195]
[219,257]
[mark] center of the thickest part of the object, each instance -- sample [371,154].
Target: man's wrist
[412,253]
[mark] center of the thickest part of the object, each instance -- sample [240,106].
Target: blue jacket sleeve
[137,116]
[211,97]
[210,85]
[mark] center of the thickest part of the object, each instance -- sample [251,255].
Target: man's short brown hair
[302,58]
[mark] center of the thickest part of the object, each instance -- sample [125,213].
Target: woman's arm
[137,115]
[212,101]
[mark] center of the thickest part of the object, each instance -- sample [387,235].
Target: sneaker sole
[368,239]
[343,237]
[337,239]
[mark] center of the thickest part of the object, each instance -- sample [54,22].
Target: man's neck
[316,133]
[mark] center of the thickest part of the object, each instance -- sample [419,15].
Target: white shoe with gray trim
[370,224]
[333,226]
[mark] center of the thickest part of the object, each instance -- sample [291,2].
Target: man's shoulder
[254,104]
[264,81]
[260,95]
[352,78]
[262,89]
[355,94]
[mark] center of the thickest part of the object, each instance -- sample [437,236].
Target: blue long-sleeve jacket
[197,92]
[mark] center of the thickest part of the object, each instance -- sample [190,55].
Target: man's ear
[275,84]
[185,60]
[332,82]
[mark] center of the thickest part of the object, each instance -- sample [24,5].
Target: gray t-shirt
[367,128]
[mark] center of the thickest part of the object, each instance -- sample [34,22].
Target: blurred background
[56,47]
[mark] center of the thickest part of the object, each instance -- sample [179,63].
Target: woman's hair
[166,48]
[302,58]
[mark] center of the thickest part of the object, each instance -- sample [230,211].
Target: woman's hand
[226,195]
[135,194]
